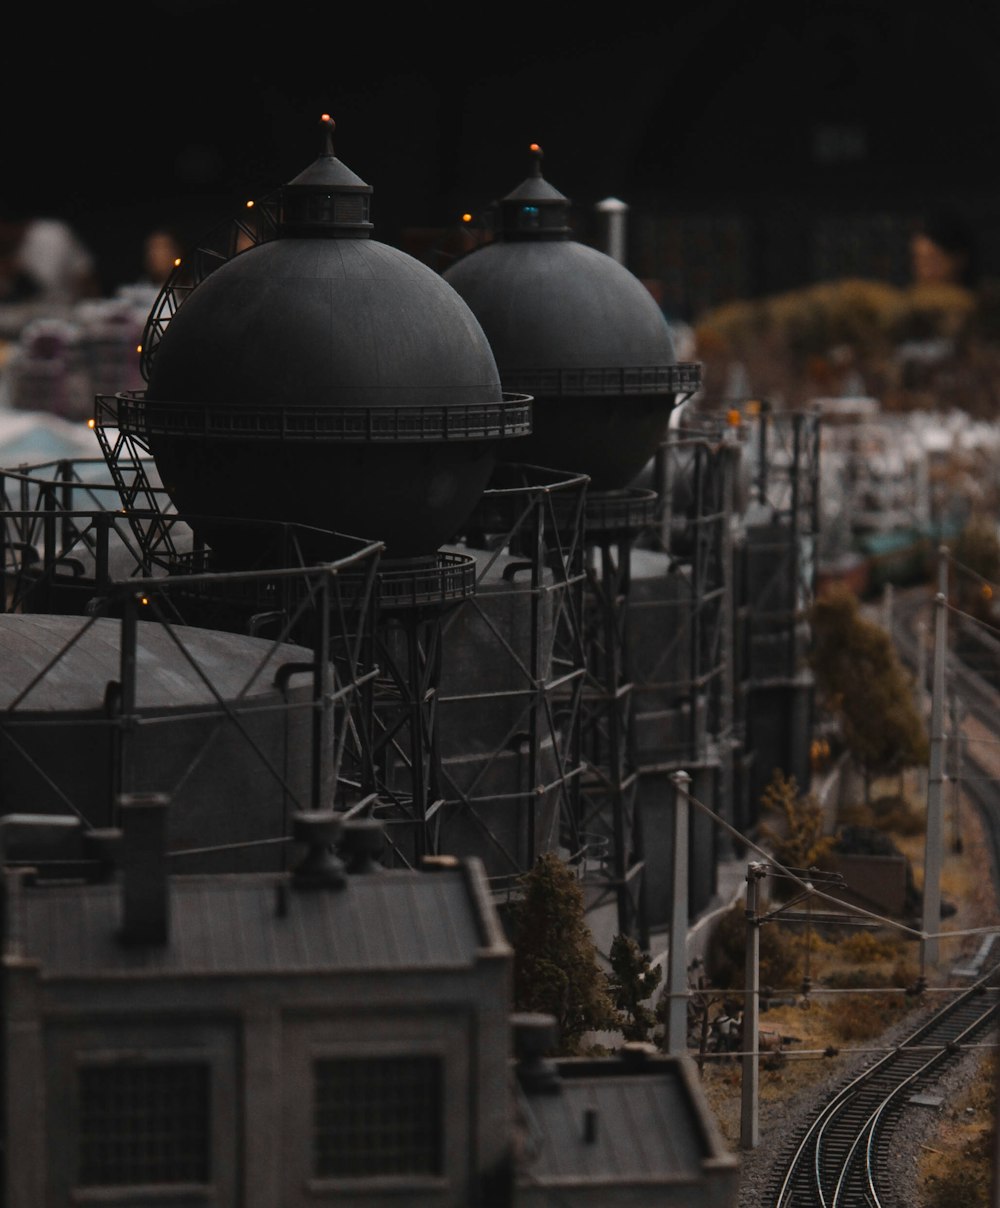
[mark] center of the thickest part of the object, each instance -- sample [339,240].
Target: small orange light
[325,117]
[91,423]
[138,348]
[249,205]
[177,262]
[733,417]
[144,600]
[534,147]
[987,592]
[466,217]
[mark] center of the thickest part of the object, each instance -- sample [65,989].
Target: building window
[144,1123]
[377,1116]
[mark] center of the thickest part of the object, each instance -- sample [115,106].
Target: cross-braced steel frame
[534,519]
[257,224]
[780,555]
[699,467]
[396,763]
[684,661]
[143,502]
[613,523]
[516,796]
[329,599]
[784,448]
[61,529]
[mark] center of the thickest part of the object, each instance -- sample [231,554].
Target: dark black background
[124,117]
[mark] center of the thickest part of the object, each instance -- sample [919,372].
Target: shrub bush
[556,969]
[863,947]
[865,1016]
[726,956]
[897,814]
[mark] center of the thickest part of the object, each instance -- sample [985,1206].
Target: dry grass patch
[957,1168]
[830,1027]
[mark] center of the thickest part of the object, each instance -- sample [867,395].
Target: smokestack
[145,887]
[536,1034]
[613,211]
[362,842]
[320,868]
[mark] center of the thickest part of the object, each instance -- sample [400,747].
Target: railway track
[838,1159]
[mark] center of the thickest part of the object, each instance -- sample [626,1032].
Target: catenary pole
[749,1127]
[677,957]
[935,777]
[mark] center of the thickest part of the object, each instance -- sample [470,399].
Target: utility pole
[935,778]
[887,609]
[677,957]
[749,1130]
[921,772]
[921,666]
[957,740]
[731,459]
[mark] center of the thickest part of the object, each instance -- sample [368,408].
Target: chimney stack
[145,887]
[535,1035]
[320,868]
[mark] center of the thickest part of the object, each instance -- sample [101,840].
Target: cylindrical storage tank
[499,742]
[326,379]
[780,686]
[778,633]
[779,734]
[577,331]
[670,707]
[232,751]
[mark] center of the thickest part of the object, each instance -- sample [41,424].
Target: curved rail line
[838,1159]
[836,1162]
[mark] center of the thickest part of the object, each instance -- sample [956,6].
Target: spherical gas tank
[329,380]
[578,327]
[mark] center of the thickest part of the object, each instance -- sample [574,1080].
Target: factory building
[408,582]
[337,1034]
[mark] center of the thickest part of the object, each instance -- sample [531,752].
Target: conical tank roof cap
[535,209]
[327,199]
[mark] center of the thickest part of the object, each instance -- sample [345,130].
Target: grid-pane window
[144,1124]
[378,1116]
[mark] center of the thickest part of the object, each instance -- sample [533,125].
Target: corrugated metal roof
[391,920]
[165,677]
[644,1129]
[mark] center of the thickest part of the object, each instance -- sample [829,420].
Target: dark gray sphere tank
[576,330]
[328,323]
[328,380]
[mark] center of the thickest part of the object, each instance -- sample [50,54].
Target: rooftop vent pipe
[536,1034]
[320,868]
[145,885]
[613,211]
[362,842]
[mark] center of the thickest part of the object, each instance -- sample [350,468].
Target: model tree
[556,969]
[797,835]
[633,979]
[977,554]
[860,679]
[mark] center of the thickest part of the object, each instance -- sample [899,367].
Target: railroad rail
[838,1160]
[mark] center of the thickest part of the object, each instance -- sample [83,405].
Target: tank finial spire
[536,159]
[330,125]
